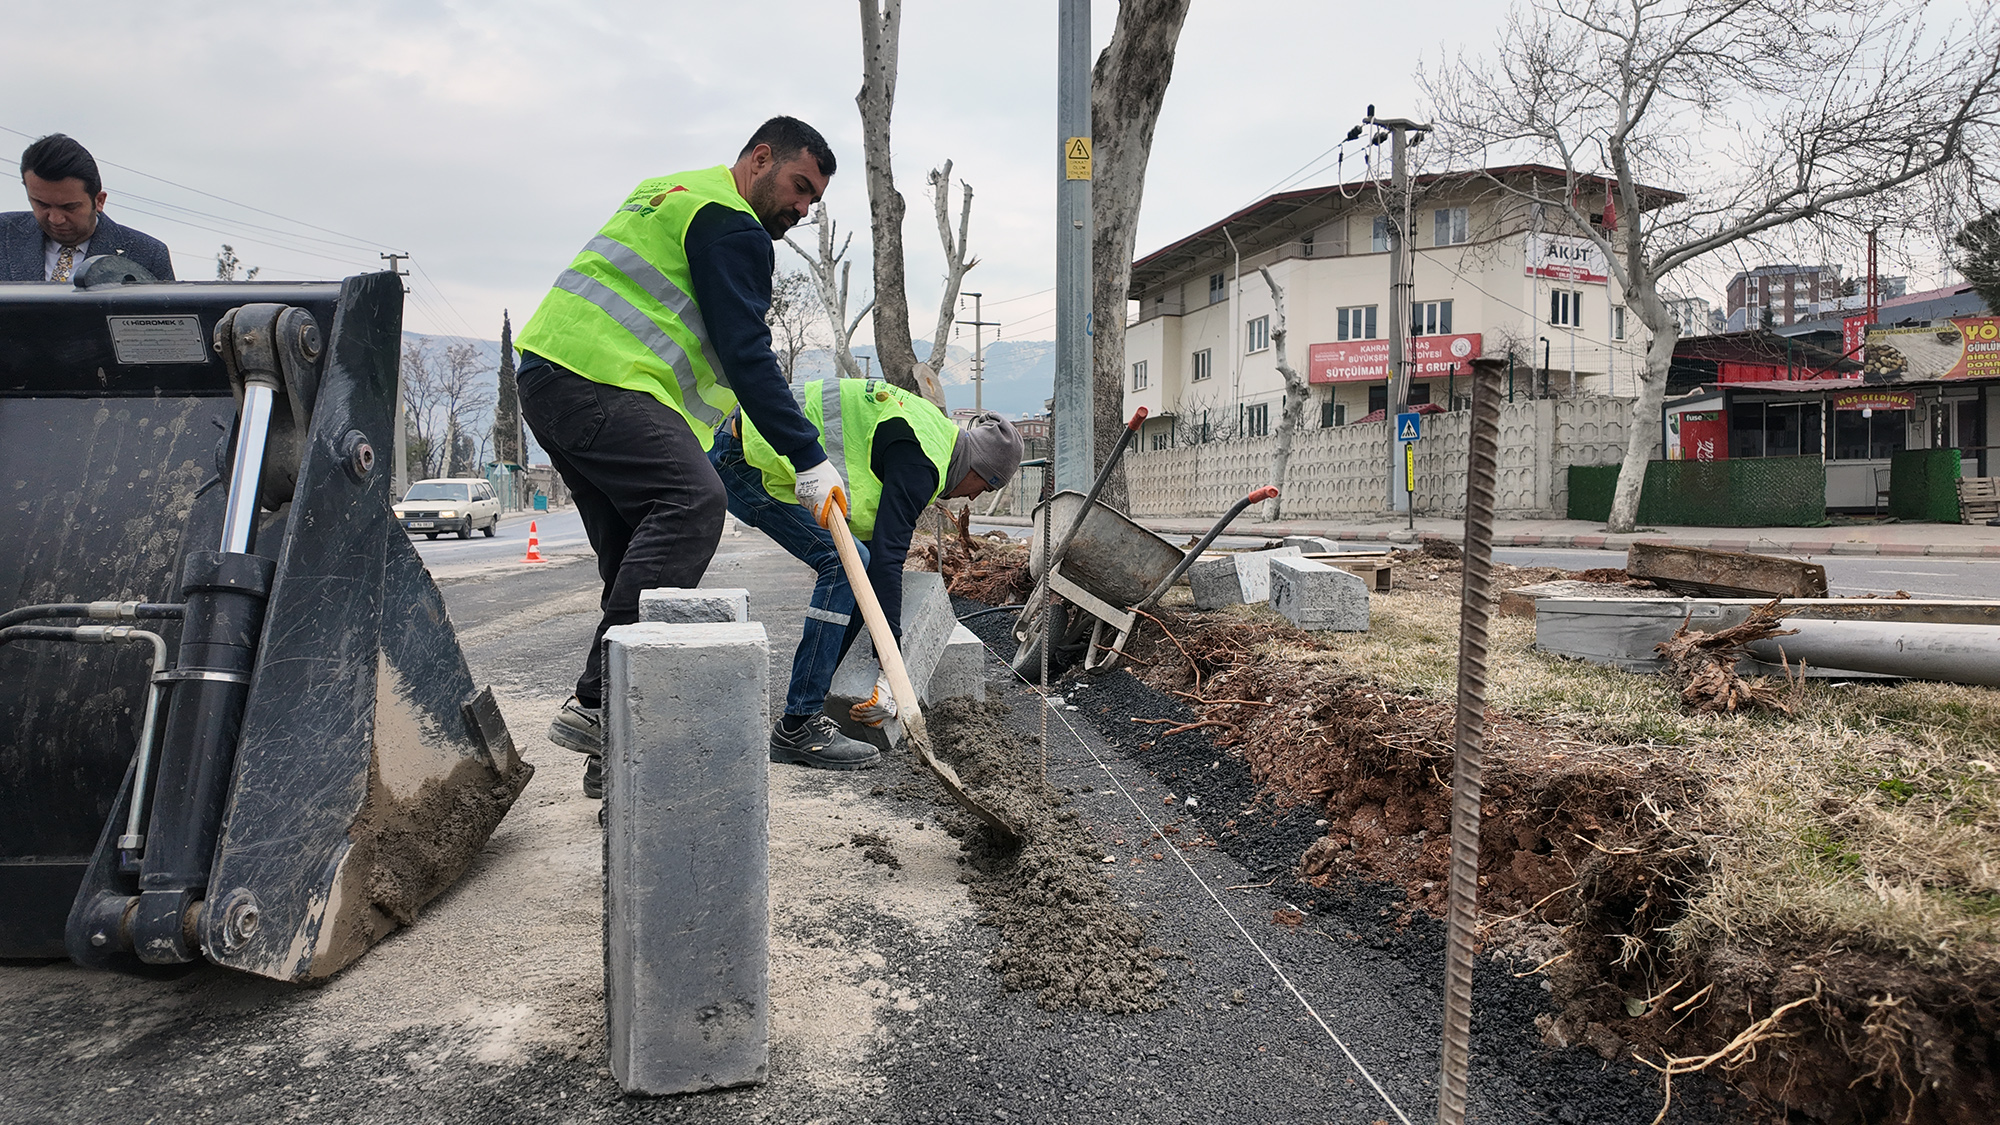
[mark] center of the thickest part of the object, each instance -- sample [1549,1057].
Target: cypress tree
[508,444]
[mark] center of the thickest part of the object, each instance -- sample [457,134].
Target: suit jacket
[21,248]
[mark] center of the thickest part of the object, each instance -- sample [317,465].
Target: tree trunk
[881,30]
[955,264]
[1296,392]
[825,268]
[1127,87]
[1645,428]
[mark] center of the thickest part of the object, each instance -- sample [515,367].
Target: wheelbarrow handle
[1265,493]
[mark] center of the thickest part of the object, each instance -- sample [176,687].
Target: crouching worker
[897,453]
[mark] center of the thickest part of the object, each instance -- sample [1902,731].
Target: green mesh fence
[1751,492]
[1590,489]
[1923,485]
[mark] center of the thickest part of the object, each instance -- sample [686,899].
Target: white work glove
[878,708]
[821,491]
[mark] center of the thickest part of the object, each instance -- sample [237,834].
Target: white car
[458,504]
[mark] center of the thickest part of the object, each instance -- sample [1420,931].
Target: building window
[1258,334]
[1257,420]
[1332,413]
[1202,370]
[1357,323]
[1618,322]
[1306,245]
[1139,376]
[1161,438]
[1450,226]
[1379,237]
[1565,308]
[1430,318]
[1218,289]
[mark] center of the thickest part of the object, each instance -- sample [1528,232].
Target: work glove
[821,492]
[878,708]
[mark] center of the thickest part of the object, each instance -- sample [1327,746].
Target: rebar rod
[1474,616]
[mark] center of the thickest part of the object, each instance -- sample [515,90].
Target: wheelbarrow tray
[1111,557]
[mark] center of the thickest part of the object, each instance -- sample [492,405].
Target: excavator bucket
[235,721]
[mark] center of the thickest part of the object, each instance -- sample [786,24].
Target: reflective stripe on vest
[624,312]
[831,405]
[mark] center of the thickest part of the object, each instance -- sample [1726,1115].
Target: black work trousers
[651,503]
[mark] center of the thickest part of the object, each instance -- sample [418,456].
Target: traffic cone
[534,546]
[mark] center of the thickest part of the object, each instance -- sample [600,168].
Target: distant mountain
[1020,374]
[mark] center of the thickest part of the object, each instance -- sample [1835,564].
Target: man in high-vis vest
[897,453]
[651,336]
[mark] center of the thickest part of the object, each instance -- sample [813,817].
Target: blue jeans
[831,621]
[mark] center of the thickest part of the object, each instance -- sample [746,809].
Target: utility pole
[1402,133]
[1075,465]
[396,260]
[978,352]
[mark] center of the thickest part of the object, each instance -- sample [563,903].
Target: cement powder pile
[1064,934]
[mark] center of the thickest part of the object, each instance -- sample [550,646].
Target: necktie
[65,260]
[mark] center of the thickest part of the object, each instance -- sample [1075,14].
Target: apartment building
[1787,292]
[1494,275]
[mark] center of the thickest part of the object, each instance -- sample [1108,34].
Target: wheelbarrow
[1107,568]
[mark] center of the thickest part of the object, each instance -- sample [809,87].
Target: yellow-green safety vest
[846,412]
[624,313]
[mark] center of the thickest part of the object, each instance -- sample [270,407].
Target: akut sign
[1564,258]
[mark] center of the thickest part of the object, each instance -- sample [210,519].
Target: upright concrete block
[961,672]
[687,817]
[1313,595]
[928,622]
[1237,579]
[675,605]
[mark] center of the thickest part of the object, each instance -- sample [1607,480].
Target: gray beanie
[988,445]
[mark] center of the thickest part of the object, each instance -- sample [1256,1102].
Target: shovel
[899,682]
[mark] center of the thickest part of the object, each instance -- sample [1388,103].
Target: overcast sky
[490,139]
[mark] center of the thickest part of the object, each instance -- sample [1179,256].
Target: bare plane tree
[954,257]
[444,397]
[1127,87]
[1685,128]
[794,318]
[830,277]
[881,33]
[1293,413]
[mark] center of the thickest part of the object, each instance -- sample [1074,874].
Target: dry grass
[1870,817]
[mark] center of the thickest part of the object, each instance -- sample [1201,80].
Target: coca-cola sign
[1354,361]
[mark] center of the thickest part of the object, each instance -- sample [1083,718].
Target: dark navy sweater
[730,256]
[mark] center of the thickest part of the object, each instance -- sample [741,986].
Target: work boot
[819,744]
[593,777]
[578,728]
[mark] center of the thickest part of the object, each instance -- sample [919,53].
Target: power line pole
[1075,464]
[978,352]
[395,261]
[399,474]
[1402,133]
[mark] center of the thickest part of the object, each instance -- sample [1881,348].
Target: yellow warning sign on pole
[1076,158]
[1410,466]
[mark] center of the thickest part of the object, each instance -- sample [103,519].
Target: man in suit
[67,222]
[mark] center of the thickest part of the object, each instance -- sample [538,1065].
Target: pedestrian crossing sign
[1409,427]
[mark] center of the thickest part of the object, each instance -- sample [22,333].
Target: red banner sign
[1360,361]
[1875,400]
[1854,334]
